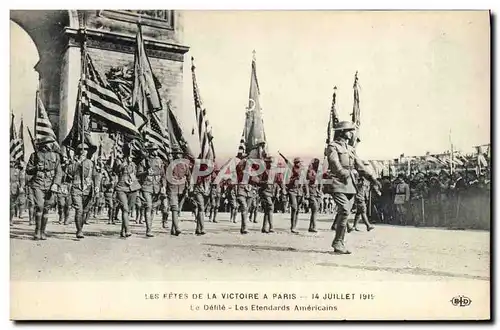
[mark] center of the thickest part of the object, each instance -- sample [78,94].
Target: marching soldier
[151,171]
[177,187]
[242,194]
[64,196]
[45,167]
[418,196]
[266,192]
[215,195]
[313,193]
[253,203]
[362,195]
[201,191]
[17,181]
[342,160]
[30,200]
[127,187]
[295,193]
[83,186]
[233,203]
[108,186]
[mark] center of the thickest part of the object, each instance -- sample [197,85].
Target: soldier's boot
[43,226]
[293,227]
[149,224]
[369,226]
[265,222]
[138,215]
[312,222]
[175,224]
[338,241]
[270,221]
[66,216]
[232,216]
[79,224]
[334,224]
[38,226]
[215,216]
[244,219]
[125,232]
[200,223]
[355,224]
[21,211]
[31,215]
[61,216]
[255,216]
[164,219]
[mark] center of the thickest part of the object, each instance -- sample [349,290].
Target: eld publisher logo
[460,301]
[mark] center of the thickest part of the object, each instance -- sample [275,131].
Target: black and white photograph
[250,165]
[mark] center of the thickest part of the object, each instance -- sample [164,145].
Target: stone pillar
[70,77]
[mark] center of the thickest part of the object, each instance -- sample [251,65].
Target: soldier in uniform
[266,192]
[342,161]
[233,203]
[64,194]
[151,172]
[45,167]
[362,195]
[177,187]
[127,187]
[201,191]
[401,199]
[215,195]
[30,200]
[242,194]
[253,203]
[17,181]
[314,193]
[295,193]
[83,186]
[108,187]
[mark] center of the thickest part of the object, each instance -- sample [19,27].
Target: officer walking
[45,167]
[295,193]
[215,195]
[64,194]
[151,172]
[314,193]
[266,192]
[342,161]
[127,187]
[84,185]
[362,196]
[178,182]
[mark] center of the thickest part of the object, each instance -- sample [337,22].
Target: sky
[422,75]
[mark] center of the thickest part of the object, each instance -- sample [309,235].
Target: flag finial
[254,58]
[334,89]
[192,63]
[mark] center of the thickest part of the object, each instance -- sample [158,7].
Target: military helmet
[344,126]
[297,160]
[83,145]
[269,159]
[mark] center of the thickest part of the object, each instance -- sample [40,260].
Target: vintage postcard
[250,165]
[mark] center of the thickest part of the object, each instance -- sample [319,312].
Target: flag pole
[82,81]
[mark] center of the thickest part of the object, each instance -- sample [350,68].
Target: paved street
[387,253]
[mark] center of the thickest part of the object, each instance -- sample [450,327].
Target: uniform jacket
[154,181]
[127,176]
[83,168]
[342,161]
[45,166]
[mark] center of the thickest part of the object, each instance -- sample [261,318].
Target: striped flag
[356,112]
[178,143]
[103,103]
[145,96]
[207,150]
[43,127]
[334,117]
[156,134]
[16,144]
[21,138]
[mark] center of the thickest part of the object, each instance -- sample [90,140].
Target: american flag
[156,134]
[207,150]
[43,127]
[334,117]
[16,144]
[103,103]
